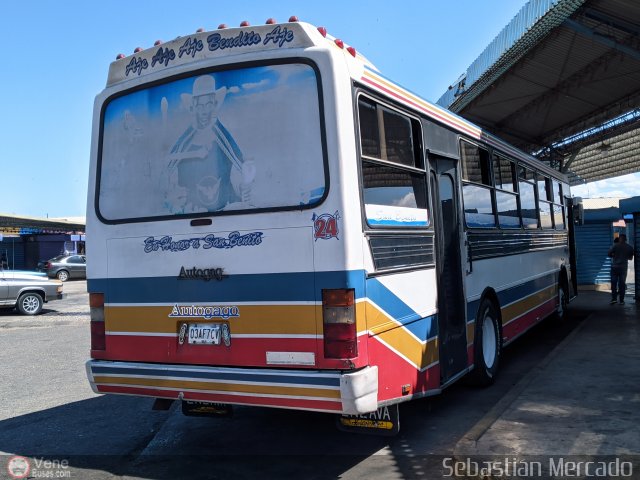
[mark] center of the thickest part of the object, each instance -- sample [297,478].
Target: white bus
[272,222]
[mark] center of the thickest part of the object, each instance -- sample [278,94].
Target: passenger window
[386,134]
[475,164]
[394,185]
[479,211]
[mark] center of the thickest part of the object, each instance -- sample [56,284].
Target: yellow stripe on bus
[521,307]
[253,319]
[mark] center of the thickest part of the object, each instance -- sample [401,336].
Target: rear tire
[29,304]
[563,300]
[487,345]
[63,275]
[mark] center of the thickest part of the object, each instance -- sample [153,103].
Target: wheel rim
[31,304]
[63,276]
[489,342]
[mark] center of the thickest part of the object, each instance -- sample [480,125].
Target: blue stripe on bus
[273,287]
[305,379]
[513,294]
[423,328]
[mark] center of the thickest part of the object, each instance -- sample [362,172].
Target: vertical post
[636,247]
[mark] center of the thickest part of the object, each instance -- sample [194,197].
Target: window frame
[490,188]
[419,157]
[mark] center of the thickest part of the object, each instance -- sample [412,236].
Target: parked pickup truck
[27,291]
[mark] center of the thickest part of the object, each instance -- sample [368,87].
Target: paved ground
[581,402]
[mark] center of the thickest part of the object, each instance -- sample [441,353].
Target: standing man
[620,252]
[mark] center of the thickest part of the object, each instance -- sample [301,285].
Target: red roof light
[245,23]
[120,56]
[339,43]
[293,18]
[222,26]
[157,42]
[271,21]
[323,31]
[137,50]
[352,51]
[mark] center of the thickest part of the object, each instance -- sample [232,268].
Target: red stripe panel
[242,352]
[226,398]
[522,324]
[394,372]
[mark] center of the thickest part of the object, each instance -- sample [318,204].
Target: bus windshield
[238,140]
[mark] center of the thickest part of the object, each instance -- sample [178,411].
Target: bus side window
[479,211]
[527,198]
[393,178]
[504,172]
[544,203]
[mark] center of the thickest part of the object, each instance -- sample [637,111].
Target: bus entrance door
[451,301]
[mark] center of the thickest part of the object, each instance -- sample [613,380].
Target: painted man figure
[206,153]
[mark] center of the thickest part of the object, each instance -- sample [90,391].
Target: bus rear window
[234,140]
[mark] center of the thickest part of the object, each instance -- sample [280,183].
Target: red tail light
[98,335]
[47,265]
[339,319]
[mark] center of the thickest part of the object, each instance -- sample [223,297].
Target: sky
[57,55]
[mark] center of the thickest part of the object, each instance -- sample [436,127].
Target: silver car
[27,291]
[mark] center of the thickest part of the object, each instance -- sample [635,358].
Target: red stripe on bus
[394,372]
[420,107]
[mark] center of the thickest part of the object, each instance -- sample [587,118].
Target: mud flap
[384,421]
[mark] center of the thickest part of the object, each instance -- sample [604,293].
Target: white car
[27,291]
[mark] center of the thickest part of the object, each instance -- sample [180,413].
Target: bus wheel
[563,301]
[487,345]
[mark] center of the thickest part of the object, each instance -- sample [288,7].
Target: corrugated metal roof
[533,22]
[558,69]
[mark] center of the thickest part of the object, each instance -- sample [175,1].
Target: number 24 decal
[325,226]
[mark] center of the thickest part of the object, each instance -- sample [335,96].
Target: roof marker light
[352,51]
[157,42]
[245,23]
[137,50]
[271,21]
[120,56]
[323,31]
[200,30]
[222,26]
[339,43]
[293,18]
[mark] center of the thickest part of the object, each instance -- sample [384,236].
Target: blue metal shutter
[13,247]
[592,244]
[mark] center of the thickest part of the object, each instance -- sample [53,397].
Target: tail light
[98,336]
[339,319]
[47,265]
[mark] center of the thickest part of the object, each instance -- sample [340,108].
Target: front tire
[30,304]
[487,345]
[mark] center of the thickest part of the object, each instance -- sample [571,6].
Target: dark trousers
[618,282]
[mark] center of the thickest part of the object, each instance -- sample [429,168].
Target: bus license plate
[204,334]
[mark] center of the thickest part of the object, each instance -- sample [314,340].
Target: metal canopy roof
[562,81]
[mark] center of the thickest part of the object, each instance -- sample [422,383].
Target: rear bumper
[326,391]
